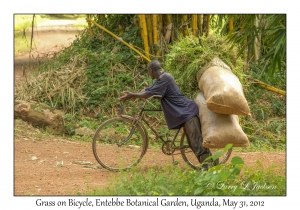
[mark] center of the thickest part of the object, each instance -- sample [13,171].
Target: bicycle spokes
[118,146]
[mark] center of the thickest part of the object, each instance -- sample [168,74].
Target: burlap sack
[223,91]
[218,130]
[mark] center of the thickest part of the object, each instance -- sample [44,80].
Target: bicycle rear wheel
[116,157]
[190,158]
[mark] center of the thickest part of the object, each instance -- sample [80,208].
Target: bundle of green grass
[190,54]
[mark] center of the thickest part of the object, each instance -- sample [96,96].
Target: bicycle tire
[190,158]
[118,158]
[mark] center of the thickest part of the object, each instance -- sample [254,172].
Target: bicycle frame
[139,116]
[137,122]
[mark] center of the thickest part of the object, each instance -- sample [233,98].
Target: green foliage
[267,126]
[73,121]
[189,54]
[225,180]
[21,43]
[21,39]
[185,60]
[22,22]
[111,68]
[270,30]
[69,123]
[274,40]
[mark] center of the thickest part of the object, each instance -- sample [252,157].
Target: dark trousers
[192,128]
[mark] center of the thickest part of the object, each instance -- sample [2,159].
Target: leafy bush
[230,179]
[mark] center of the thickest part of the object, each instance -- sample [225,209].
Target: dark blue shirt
[177,108]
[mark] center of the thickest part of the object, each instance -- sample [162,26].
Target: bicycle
[126,140]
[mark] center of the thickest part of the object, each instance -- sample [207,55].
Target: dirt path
[53,165]
[48,38]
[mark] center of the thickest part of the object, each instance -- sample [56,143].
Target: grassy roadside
[232,179]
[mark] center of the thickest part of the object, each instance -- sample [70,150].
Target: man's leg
[193,131]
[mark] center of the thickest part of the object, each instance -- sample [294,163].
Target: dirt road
[51,165]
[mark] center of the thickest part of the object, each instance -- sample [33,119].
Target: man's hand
[126,96]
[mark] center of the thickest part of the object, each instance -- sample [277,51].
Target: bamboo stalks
[168,32]
[206,24]
[159,31]
[168,19]
[120,39]
[90,27]
[155,34]
[144,34]
[208,28]
[269,87]
[154,24]
[200,23]
[150,30]
[160,24]
[185,30]
[194,25]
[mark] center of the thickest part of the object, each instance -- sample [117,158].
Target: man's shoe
[210,162]
[216,162]
[201,160]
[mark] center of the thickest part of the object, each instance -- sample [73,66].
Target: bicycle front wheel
[118,145]
[190,158]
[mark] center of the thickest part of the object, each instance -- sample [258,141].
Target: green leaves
[224,180]
[237,160]
[187,57]
[227,147]
[265,33]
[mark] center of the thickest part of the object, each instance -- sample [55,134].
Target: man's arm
[130,96]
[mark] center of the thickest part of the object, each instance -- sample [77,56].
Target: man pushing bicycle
[179,111]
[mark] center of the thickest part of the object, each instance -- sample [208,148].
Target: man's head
[153,68]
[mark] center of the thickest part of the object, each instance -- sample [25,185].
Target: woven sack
[218,130]
[223,91]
